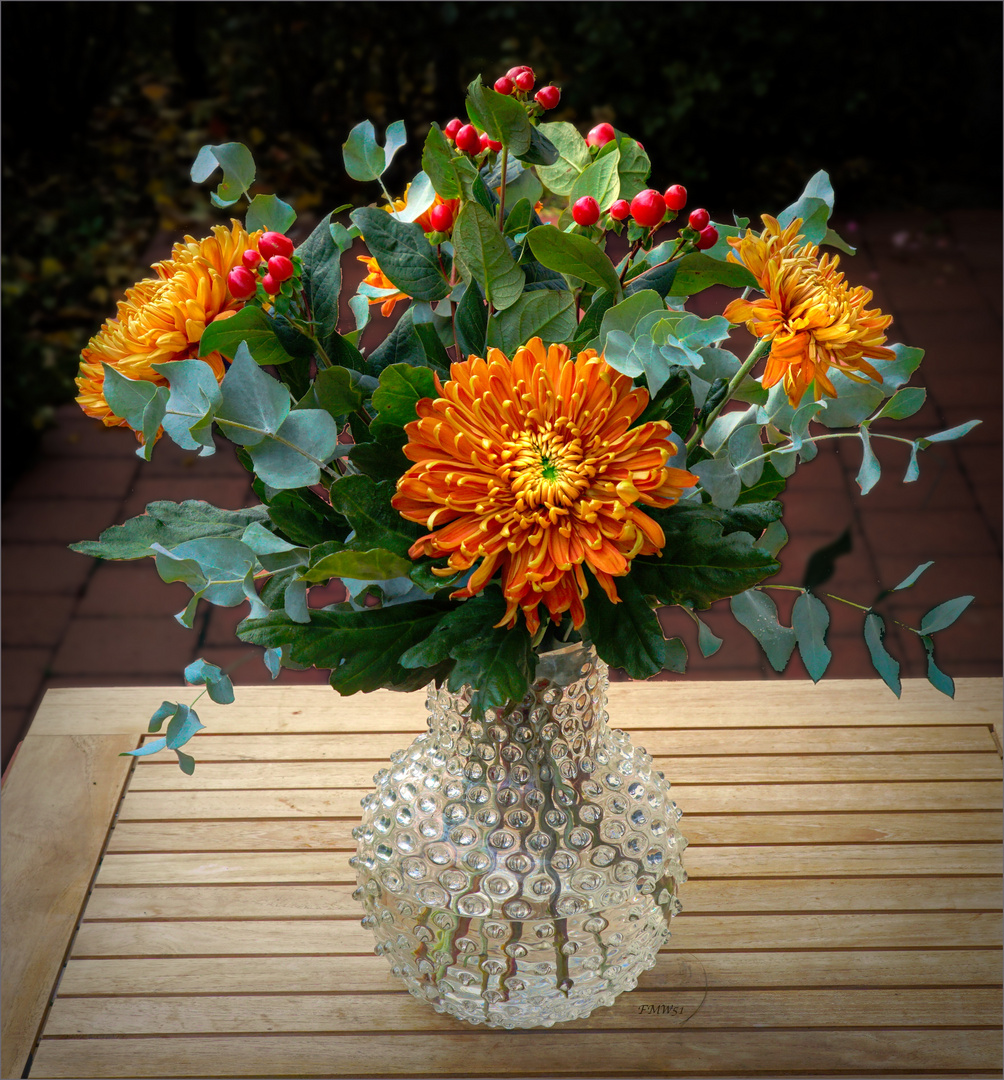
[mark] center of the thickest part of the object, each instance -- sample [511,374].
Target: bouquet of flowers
[547,448]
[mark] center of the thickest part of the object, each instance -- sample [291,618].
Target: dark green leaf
[360,647]
[471,321]
[461,624]
[382,458]
[500,115]
[339,391]
[574,256]
[366,505]
[401,346]
[626,635]
[377,564]
[498,665]
[810,620]
[403,252]
[658,279]
[541,150]
[322,279]
[547,314]
[770,485]
[305,518]
[439,164]
[401,388]
[250,325]
[482,251]
[884,664]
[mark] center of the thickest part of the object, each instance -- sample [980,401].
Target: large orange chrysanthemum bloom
[533,468]
[162,319]
[812,318]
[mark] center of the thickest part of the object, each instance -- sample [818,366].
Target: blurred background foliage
[105,106]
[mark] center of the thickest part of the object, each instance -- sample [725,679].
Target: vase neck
[558,723]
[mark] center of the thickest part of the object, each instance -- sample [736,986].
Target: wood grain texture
[57,805]
[843,913]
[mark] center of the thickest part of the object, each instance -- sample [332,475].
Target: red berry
[601,135]
[468,139]
[241,283]
[271,285]
[280,268]
[525,80]
[547,97]
[698,219]
[504,85]
[620,209]
[274,243]
[493,145]
[514,71]
[441,217]
[707,239]
[586,211]
[451,129]
[648,207]
[251,258]
[676,197]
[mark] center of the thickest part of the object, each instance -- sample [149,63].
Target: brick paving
[73,621]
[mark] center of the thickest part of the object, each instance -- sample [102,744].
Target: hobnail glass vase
[521,870]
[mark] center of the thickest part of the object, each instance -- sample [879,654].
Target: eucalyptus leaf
[944,615]
[810,621]
[269,212]
[937,678]
[254,405]
[885,664]
[758,613]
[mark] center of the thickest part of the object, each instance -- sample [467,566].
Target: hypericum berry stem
[504,166]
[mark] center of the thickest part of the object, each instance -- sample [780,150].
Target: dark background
[106,104]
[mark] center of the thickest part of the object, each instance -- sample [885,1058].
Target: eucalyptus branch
[782,449]
[285,442]
[757,352]
[833,596]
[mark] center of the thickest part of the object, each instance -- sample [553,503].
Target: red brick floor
[73,621]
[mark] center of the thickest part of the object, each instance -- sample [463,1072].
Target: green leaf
[218,686]
[320,256]
[949,435]
[367,507]
[481,250]
[294,456]
[498,665]
[626,315]
[238,171]
[403,252]
[166,710]
[810,621]
[382,458]
[832,239]
[696,272]
[707,642]
[360,647]
[701,562]
[758,613]
[884,664]
[364,158]
[634,167]
[471,322]
[500,115]
[191,408]
[545,313]
[339,391]
[626,635]
[912,577]
[250,325]
[937,678]
[400,390]
[944,615]
[600,180]
[401,346]
[271,213]
[813,206]
[440,165]
[574,256]
[305,518]
[769,486]
[140,403]
[254,405]
[517,218]
[719,479]
[462,623]
[573,160]
[377,564]
[169,524]
[658,279]
[870,471]
[541,150]
[903,403]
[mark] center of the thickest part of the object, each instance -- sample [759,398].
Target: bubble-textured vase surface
[521,870]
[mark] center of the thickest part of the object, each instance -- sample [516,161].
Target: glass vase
[521,870]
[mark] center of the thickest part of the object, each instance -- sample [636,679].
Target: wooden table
[843,913]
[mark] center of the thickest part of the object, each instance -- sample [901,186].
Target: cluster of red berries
[648,208]
[468,138]
[521,79]
[270,263]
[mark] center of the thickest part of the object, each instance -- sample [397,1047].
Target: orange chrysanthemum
[532,468]
[162,319]
[377,279]
[812,318]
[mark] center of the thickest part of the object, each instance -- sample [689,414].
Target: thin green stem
[285,442]
[505,166]
[781,449]
[758,351]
